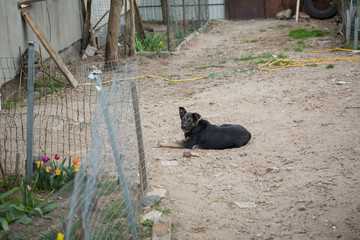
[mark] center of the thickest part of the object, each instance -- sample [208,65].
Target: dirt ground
[298,178]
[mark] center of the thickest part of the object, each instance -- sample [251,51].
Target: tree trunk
[111,46]
[163,10]
[87,25]
[138,24]
[132,28]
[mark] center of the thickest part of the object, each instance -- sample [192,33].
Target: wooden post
[132,28]
[168,23]
[126,30]
[45,42]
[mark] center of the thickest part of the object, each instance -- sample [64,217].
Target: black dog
[200,133]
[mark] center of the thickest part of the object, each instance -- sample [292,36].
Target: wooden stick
[41,36]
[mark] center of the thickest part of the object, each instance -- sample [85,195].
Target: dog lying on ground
[200,133]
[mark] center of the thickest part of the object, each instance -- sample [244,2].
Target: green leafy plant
[330,66]
[30,204]
[75,231]
[116,210]
[152,43]
[146,228]
[22,210]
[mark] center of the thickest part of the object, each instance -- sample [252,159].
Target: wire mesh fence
[70,122]
[172,20]
[109,207]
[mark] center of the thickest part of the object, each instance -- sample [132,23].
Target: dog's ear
[196,116]
[182,112]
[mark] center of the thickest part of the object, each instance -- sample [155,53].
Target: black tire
[317,13]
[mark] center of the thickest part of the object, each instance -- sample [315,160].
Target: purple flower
[45,159]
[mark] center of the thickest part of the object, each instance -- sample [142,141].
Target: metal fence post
[117,157]
[168,24]
[356,33]
[142,166]
[30,111]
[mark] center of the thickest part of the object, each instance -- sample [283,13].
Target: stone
[150,201]
[90,51]
[304,15]
[302,208]
[169,163]
[152,215]
[245,204]
[190,154]
[157,192]
[272,170]
[285,14]
[161,229]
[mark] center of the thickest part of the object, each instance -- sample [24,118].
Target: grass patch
[249,58]
[260,61]
[303,33]
[281,63]
[251,41]
[312,65]
[286,49]
[281,26]
[330,66]
[223,62]
[298,49]
[280,55]
[152,43]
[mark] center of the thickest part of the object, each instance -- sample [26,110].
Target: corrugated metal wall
[216,9]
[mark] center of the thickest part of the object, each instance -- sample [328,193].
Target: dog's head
[188,120]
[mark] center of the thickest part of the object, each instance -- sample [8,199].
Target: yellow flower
[76,167]
[48,168]
[75,160]
[161,42]
[38,164]
[57,172]
[41,163]
[60,236]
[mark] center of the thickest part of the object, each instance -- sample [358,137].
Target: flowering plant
[54,175]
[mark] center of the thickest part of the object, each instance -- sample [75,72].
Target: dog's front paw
[172,145]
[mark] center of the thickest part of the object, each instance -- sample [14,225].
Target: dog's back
[208,136]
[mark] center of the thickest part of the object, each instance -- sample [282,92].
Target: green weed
[330,66]
[303,33]
[152,43]
[283,56]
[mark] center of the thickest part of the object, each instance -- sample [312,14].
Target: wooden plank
[41,36]
[28,2]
